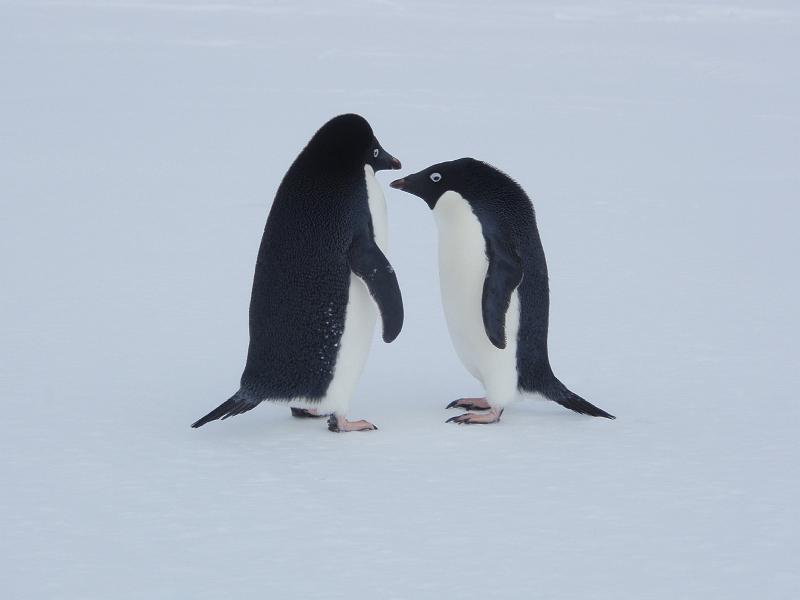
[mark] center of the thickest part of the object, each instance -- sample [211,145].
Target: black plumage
[516,261]
[319,229]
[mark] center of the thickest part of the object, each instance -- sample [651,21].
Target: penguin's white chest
[362,313]
[377,209]
[462,271]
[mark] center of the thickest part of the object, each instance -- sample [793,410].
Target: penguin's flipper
[502,278]
[371,265]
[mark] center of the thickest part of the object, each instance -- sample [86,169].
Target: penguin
[494,286]
[321,277]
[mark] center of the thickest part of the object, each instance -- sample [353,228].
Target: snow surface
[140,145]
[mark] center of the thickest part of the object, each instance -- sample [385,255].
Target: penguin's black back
[302,277]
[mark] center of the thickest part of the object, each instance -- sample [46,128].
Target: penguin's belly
[462,272]
[361,316]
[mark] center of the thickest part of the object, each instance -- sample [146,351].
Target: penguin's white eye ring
[436,177]
[376,152]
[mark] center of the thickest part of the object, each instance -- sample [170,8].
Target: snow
[140,145]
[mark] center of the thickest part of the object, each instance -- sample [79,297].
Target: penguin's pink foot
[306,413]
[340,424]
[470,404]
[493,416]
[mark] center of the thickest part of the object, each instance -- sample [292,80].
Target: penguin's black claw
[469,404]
[333,424]
[302,413]
[476,419]
[338,426]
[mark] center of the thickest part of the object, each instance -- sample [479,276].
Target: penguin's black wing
[502,278]
[371,265]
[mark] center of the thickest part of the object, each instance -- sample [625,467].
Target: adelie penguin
[494,286]
[320,266]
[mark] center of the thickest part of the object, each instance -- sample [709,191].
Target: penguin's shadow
[276,425]
[270,424]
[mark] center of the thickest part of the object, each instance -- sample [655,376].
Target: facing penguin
[321,258]
[493,278]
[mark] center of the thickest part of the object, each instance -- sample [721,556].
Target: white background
[141,144]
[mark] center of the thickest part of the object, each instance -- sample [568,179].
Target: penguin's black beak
[384,161]
[414,185]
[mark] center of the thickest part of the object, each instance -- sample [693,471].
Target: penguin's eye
[375,153]
[436,177]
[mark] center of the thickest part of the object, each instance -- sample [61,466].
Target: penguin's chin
[402,184]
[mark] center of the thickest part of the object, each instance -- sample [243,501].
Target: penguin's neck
[454,217]
[377,208]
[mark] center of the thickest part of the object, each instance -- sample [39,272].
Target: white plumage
[462,270]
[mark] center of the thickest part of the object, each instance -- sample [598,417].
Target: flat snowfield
[141,144]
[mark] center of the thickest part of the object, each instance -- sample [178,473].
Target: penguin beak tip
[396,164]
[398,184]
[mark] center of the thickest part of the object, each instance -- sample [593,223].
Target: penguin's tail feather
[235,405]
[560,394]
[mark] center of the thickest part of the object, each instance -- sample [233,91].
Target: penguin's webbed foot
[306,413]
[340,424]
[470,404]
[493,416]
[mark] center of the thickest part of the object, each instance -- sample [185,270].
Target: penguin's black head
[347,141]
[431,183]
[379,159]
